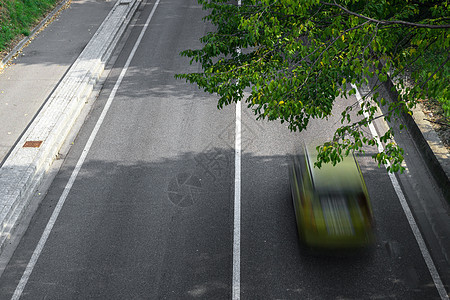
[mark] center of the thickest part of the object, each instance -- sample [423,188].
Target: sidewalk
[27,83]
[434,153]
[43,90]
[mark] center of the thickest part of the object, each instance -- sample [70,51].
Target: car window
[301,177]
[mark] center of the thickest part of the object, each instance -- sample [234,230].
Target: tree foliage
[296,57]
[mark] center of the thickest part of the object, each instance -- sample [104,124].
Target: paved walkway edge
[25,167]
[428,142]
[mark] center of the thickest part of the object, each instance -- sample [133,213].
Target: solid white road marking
[237,209]
[236,288]
[409,216]
[37,252]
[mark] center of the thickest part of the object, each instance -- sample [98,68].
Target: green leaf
[298,56]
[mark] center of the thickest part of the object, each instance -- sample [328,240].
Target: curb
[427,141]
[36,30]
[26,165]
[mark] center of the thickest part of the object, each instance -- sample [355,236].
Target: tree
[297,56]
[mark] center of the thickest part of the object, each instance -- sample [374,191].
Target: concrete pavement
[43,91]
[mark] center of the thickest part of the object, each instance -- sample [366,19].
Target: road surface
[151,212]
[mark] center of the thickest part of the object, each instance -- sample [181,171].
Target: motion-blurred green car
[332,206]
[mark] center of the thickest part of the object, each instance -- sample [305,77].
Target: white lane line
[237,209]
[37,252]
[236,289]
[409,216]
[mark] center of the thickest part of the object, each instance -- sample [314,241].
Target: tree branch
[385,22]
[439,123]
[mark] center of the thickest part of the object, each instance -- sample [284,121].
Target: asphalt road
[151,212]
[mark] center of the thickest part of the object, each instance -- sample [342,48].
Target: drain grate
[32,144]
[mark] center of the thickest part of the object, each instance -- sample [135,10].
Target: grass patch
[17,17]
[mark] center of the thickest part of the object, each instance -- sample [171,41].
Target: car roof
[344,176]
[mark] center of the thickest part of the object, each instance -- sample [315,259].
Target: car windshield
[343,177]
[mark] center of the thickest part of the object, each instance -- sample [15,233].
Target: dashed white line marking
[409,216]
[37,252]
